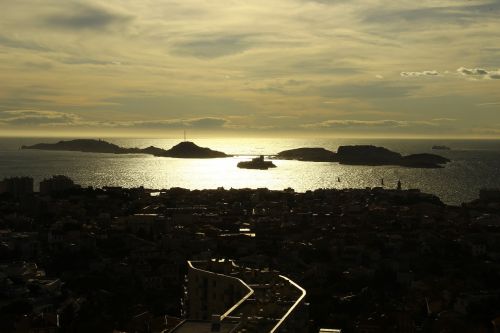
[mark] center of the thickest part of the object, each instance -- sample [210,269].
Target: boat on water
[256,163]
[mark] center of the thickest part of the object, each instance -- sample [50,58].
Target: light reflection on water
[476,164]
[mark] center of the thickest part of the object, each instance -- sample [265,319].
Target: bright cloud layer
[311,66]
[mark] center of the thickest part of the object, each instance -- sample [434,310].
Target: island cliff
[364,155]
[308,154]
[185,149]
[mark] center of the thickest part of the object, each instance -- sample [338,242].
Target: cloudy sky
[312,67]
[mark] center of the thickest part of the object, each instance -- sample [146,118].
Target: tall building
[223,297]
[17,186]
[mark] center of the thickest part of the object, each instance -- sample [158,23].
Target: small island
[423,161]
[185,149]
[256,163]
[441,147]
[363,155]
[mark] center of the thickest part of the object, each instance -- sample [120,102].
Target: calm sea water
[475,165]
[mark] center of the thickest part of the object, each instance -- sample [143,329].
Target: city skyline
[289,67]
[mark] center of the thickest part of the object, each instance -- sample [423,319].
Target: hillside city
[113,259]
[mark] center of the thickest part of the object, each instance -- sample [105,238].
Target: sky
[428,68]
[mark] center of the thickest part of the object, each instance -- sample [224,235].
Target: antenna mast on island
[184,135]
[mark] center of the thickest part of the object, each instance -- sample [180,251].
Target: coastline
[475,165]
[375,246]
[30,189]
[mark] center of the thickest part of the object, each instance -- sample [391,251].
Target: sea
[475,164]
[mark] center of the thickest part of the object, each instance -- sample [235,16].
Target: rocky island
[84,145]
[188,149]
[441,147]
[423,161]
[364,155]
[185,149]
[351,155]
[308,154]
[256,163]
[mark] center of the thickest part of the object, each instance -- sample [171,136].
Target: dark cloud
[38,65]
[490,56]
[423,73]
[36,118]
[213,46]
[472,71]
[22,44]
[491,49]
[30,97]
[88,61]
[271,89]
[201,123]
[371,90]
[357,123]
[457,15]
[189,106]
[479,72]
[207,122]
[12,102]
[326,2]
[80,16]
[293,82]
[324,67]
[377,125]
[284,87]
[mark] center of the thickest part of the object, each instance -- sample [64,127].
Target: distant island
[185,149]
[438,147]
[363,155]
[256,163]
[351,155]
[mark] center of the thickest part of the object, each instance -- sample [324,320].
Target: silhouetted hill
[367,155]
[308,154]
[152,150]
[188,149]
[364,155]
[83,145]
[182,150]
[424,160]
